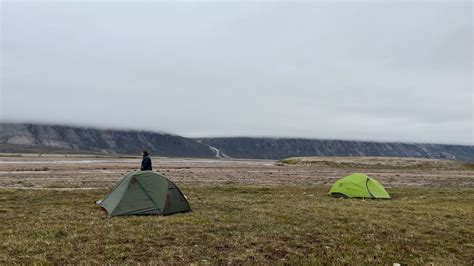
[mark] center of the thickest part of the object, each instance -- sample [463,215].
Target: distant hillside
[279,148]
[25,137]
[51,138]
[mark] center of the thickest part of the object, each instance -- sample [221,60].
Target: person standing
[146,161]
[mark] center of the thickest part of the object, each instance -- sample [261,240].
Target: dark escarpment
[64,138]
[54,138]
[278,148]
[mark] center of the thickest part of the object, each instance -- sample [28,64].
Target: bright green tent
[358,186]
[144,192]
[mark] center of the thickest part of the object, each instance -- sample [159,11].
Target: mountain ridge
[100,140]
[15,136]
[277,148]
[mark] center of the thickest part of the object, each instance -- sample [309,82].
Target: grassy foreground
[243,224]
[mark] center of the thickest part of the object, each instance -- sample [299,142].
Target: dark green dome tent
[144,192]
[358,186]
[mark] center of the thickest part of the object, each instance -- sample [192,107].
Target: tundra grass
[243,224]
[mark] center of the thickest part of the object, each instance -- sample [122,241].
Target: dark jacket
[146,164]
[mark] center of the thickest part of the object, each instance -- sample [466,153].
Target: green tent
[144,192]
[358,186]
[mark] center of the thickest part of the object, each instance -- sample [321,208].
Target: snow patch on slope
[219,154]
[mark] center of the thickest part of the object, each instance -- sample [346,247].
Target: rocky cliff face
[106,141]
[276,148]
[16,137]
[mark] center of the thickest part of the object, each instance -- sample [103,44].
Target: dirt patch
[92,172]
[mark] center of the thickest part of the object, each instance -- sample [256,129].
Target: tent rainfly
[144,192]
[358,186]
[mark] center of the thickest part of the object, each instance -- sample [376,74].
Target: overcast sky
[386,71]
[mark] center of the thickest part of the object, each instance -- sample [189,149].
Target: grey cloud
[396,71]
